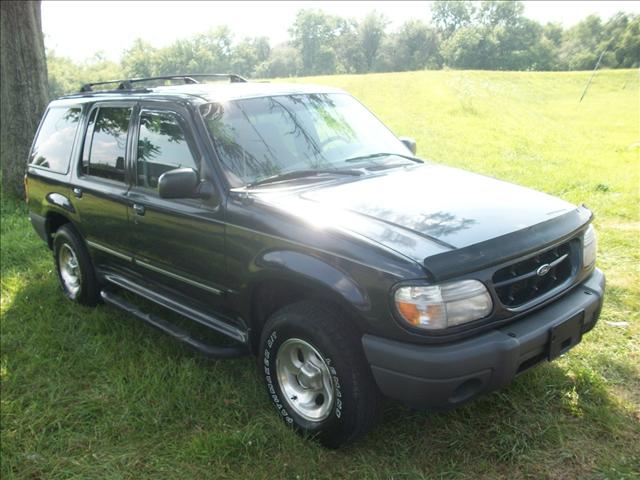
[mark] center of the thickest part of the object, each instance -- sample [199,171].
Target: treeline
[490,35]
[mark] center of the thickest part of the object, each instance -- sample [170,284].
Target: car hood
[427,209]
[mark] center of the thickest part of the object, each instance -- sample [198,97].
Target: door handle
[77,192]
[139,209]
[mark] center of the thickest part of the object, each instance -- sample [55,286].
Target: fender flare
[313,271]
[49,222]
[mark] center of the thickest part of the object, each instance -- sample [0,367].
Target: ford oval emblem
[543,270]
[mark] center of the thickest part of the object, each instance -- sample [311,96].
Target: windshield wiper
[359,158]
[301,174]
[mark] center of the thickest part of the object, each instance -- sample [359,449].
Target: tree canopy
[489,35]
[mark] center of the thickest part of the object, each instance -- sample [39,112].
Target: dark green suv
[290,220]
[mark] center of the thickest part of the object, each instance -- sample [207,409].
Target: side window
[52,148]
[106,142]
[162,146]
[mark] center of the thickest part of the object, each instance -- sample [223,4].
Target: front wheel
[316,374]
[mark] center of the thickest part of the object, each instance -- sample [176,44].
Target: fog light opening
[466,390]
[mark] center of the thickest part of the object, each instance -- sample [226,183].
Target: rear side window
[162,146]
[52,148]
[106,143]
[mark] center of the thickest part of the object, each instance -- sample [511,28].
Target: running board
[213,351]
[209,321]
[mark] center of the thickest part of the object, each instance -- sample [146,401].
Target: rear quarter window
[53,145]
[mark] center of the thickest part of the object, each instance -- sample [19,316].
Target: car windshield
[259,138]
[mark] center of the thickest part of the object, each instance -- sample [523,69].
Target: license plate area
[565,335]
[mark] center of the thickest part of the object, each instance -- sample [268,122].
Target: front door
[179,243]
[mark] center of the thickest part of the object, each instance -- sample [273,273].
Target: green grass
[93,393]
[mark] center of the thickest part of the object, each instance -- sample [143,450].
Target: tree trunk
[23,87]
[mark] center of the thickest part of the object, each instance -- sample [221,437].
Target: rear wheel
[74,267]
[316,374]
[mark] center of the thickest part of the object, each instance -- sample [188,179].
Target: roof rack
[127,84]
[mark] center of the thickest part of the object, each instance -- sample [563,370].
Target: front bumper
[445,376]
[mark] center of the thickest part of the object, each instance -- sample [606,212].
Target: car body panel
[265,244]
[350,239]
[454,207]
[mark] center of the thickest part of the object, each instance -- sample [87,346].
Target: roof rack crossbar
[233,77]
[127,84]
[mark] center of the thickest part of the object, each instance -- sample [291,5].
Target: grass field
[92,393]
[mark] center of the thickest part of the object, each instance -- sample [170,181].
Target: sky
[81,29]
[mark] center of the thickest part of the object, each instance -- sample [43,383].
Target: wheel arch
[53,221]
[295,276]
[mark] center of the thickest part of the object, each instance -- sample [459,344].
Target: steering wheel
[333,139]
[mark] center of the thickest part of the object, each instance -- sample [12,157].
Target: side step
[220,326]
[213,351]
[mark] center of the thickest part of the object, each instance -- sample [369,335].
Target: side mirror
[410,143]
[178,183]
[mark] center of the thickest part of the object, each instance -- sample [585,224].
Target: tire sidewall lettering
[337,388]
[273,392]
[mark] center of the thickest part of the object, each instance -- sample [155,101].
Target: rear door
[101,181]
[179,243]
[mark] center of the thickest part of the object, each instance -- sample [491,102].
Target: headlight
[436,307]
[589,247]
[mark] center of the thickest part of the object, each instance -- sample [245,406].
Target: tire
[74,267]
[309,338]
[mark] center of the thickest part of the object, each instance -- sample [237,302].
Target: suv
[290,220]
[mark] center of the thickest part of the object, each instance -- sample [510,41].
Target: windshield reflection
[261,137]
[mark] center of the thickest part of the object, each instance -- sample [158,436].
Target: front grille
[523,282]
